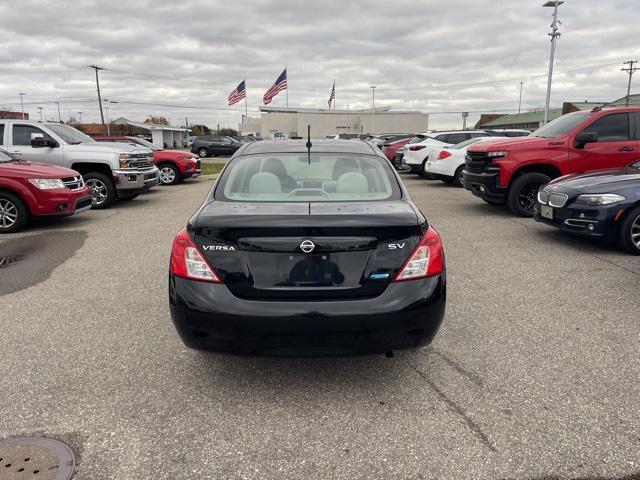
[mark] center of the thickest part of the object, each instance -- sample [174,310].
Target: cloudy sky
[181,58]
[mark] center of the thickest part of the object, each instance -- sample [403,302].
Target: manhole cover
[36,458]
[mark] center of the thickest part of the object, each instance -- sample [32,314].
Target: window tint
[291,178]
[22,134]
[442,138]
[1,133]
[610,128]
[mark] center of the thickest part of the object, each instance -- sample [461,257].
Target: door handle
[626,149]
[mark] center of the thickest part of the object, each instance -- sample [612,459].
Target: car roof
[318,146]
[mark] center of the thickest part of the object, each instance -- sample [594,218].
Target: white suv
[415,154]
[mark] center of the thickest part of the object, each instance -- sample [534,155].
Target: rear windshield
[328,177]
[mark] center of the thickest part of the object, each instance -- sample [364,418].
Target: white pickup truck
[112,171]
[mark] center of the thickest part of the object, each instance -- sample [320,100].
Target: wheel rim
[635,232]
[99,191]
[167,175]
[528,195]
[202,153]
[8,213]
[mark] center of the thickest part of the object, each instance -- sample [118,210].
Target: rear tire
[630,232]
[169,174]
[524,191]
[422,172]
[14,214]
[103,192]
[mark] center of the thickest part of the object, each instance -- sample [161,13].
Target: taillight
[443,154]
[426,260]
[415,148]
[186,261]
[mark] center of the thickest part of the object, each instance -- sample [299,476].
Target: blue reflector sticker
[379,276]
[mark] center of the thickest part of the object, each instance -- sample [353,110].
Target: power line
[630,70]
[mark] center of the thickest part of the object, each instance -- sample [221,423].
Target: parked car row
[579,173]
[52,169]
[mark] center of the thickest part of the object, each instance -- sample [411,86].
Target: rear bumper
[485,185]
[405,315]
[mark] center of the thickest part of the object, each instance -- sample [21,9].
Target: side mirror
[41,142]
[586,137]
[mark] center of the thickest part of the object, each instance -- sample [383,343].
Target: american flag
[279,85]
[332,97]
[238,94]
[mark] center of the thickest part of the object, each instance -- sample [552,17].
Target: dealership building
[292,122]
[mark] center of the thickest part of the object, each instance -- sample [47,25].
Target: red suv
[511,171]
[37,189]
[174,165]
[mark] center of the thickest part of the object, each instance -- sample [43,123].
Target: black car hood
[306,214]
[601,181]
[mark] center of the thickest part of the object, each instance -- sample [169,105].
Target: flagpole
[285,68]
[334,95]
[246,114]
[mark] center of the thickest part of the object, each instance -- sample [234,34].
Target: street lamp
[520,101]
[80,115]
[373,97]
[554,36]
[22,103]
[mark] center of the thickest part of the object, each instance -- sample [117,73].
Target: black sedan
[212,145]
[603,204]
[307,252]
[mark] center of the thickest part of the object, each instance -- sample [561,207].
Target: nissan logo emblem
[307,246]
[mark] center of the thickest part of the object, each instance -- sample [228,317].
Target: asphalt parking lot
[533,374]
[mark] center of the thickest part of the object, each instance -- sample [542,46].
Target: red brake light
[444,154]
[426,260]
[415,148]
[186,261]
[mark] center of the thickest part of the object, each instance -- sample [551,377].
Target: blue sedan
[603,204]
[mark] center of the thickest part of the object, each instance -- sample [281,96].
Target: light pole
[22,103]
[40,112]
[80,115]
[554,36]
[520,101]
[59,116]
[347,106]
[373,97]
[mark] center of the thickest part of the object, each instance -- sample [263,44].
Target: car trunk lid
[301,251]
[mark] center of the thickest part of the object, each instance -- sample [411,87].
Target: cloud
[192,53]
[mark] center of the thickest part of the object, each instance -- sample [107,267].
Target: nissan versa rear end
[307,250]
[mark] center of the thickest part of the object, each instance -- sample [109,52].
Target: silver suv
[112,171]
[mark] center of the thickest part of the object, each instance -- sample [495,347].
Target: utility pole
[554,37]
[96,68]
[520,101]
[22,103]
[40,112]
[59,116]
[630,69]
[80,114]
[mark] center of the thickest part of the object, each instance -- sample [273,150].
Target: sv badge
[395,246]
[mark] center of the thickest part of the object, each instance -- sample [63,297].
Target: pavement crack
[473,426]
[473,377]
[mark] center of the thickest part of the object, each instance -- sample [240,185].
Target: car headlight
[47,183]
[599,199]
[501,153]
[124,160]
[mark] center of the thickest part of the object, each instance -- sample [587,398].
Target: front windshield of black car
[560,126]
[69,134]
[290,177]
